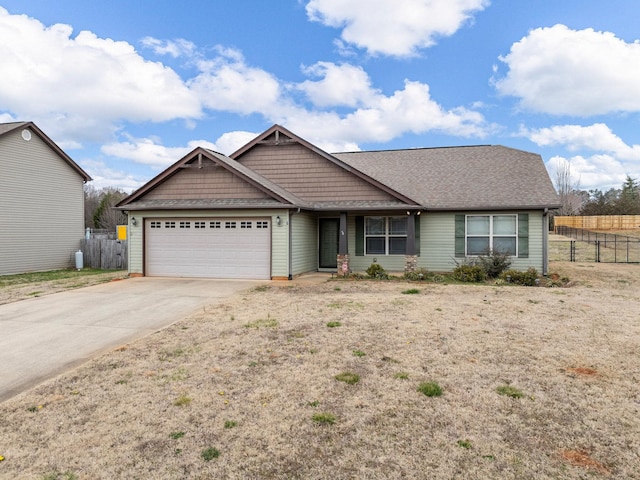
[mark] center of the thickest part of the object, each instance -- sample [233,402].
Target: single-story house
[41,201]
[280,206]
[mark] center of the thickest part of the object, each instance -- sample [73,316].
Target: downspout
[545,242]
[291,213]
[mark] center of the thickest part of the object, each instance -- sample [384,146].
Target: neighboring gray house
[41,201]
[280,206]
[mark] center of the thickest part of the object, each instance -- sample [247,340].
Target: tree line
[615,201]
[98,208]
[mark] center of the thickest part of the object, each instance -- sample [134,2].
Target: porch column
[343,247]
[411,259]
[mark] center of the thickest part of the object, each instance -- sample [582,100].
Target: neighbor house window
[491,233]
[385,235]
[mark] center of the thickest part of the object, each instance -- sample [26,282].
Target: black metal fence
[588,246]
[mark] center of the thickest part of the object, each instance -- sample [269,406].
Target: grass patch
[333,324]
[358,353]
[230,424]
[411,291]
[176,435]
[263,323]
[209,454]
[430,389]
[315,403]
[401,376]
[509,391]
[35,277]
[464,444]
[348,377]
[182,401]
[324,417]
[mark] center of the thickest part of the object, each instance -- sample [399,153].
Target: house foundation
[410,263]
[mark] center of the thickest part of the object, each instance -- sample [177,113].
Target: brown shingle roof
[456,178]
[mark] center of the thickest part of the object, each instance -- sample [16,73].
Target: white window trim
[386,235]
[491,234]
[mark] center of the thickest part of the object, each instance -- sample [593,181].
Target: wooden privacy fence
[598,222]
[104,254]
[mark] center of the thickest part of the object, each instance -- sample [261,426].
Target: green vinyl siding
[360,262]
[304,250]
[440,234]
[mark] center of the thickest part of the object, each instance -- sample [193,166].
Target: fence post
[597,251]
[572,251]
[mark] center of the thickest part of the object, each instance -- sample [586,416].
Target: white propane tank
[79,260]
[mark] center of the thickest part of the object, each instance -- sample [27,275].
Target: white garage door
[210,248]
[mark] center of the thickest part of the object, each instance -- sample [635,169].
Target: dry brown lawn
[247,377]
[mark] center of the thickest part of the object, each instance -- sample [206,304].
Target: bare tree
[568,189]
[98,208]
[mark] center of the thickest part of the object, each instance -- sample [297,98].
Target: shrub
[418,275]
[494,263]
[376,271]
[469,273]
[528,278]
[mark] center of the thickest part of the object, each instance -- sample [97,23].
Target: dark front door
[328,254]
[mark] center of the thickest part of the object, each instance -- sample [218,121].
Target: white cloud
[597,171]
[227,83]
[398,27]
[341,85]
[229,142]
[597,137]
[150,151]
[104,176]
[50,76]
[567,72]
[386,117]
[175,48]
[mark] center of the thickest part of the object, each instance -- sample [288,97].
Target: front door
[328,252]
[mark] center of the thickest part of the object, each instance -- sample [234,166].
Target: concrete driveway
[41,337]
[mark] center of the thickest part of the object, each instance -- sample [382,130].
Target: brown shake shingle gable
[461,178]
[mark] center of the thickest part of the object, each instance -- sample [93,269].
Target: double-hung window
[491,233]
[385,235]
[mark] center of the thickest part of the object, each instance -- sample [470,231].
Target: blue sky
[127,88]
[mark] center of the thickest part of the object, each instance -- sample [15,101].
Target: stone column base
[410,263]
[343,266]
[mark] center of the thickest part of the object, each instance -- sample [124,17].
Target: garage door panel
[220,248]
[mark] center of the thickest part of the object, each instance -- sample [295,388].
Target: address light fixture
[134,222]
[278,220]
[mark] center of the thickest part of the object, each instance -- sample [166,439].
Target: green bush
[527,279]
[375,270]
[419,275]
[494,263]
[469,273]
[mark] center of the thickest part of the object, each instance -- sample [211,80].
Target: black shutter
[523,235]
[417,217]
[359,236]
[460,236]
